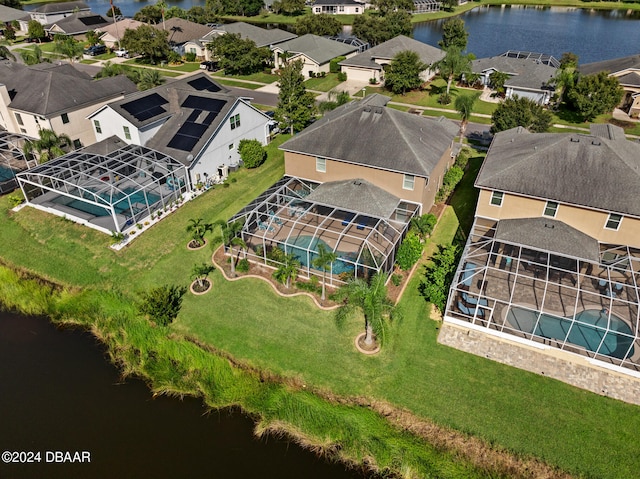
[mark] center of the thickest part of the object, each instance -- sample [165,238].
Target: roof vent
[575,140]
[596,142]
[378,110]
[367,109]
[546,225]
[357,182]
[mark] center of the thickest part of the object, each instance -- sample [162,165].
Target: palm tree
[423,225]
[110,70]
[497,80]
[231,239]
[198,228]
[50,145]
[67,47]
[370,299]
[6,53]
[200,272]
[464,106]
[453,64]
[33,57]
[150,78]
[323,261]
[288,270]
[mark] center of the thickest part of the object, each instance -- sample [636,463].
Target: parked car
[122,53]
[95,50]
[209,66]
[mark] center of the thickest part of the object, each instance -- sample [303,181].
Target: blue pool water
[6,174]
[121,205]
[588,331]
[299,248]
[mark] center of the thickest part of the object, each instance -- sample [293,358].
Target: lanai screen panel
[111,192]
[12,160]
[282,217]
[588,306]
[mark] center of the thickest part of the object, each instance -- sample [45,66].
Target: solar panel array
[191,130]
[204,84]
[146,107]
[94,20]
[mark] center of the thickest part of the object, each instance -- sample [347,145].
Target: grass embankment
[524,413]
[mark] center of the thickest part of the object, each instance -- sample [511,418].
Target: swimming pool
[299,248]
[120,206]
[6,174]
[591,328]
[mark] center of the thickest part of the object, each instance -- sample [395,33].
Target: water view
[61,394]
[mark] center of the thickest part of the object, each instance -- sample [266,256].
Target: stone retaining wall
[569,368]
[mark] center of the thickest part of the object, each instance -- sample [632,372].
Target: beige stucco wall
[423,192]
[588,221]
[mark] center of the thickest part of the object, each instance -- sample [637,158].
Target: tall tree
[68,47]
[238,55]
[198,14]
[92,37]
[49,145]
[148,41]
[323,24]
[454,34]
[198,229]
[17,4]
[35,30]
[113,10]
[296,106]
[387,6]
[370,299]
[464,105]
[497,80]
[520,111]
[200,272]
[149,14]
[6,53]
[33,56]
[379,29]
[323,262]
[287,270]
[148,79]
[288,7]
[452,65]
[230,239]
[403,73]
[595,94]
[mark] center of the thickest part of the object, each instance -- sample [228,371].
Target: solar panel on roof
[146,107]
[202,103]
[92,20]
[194,115]
[182,142]
[204,84]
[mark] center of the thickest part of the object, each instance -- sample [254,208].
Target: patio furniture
[619,287]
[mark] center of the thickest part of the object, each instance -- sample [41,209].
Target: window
[551,209]
[127,133]
[613,222]
[341,8]
[235,121]
[357,10]
[496,198]
[321,165]
[19,118]
[23,131]
[231,146]
[77,144]
[65,118]
[318,10]
[96,124]
[408,182]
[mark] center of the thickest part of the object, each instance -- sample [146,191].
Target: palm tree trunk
[233,263]
[324,284]
[463,128]
[449,83]
[368,338]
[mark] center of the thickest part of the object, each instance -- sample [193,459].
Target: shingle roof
[319,49]
[8,14]
[389,49]
[61,7]
[612,66]
[356,195]
[377,137]
[78,23]
[337,2]
[261,36]
[549,235]
[50,90]
[117,30]
[525,73]
[630,79]
[181,30]
[579,169]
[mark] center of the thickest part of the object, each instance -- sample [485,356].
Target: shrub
[15,200]
[190,57]
[423,225]
[373,81]
[444,99]
[162,304]
[342,76]
[333,64]
[451,178]
[439,274]
[463,158]
[409,252]
[396,279]
[309,286]
[117,236]
[242,266]
[252,153]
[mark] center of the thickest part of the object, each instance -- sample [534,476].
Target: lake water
[59,392]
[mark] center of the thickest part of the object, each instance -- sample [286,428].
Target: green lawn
[327,83]
[239,84]
[260,77]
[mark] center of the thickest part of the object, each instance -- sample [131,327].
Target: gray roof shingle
[80,22]
[549,235]
[378,137]
[525,72]
[49,90]
[356,195]
[389,49]
[181,30]
[261,36]
[612,66]
[578,169]
[319,49]
[61,7]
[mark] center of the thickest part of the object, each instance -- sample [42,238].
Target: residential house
[55,97]
[314,51]
[77,24]
[112,34]
[371,63]
[530,74]
[338,7]
[353,181]
[404,154]
[627,71]
[194,120]
[49,13]
[262,37]
[8,14]
[548,279]
[182,32]
[426,6]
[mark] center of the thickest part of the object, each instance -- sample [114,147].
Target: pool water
[121,205]
[6,174]
[589,330]
[299,248]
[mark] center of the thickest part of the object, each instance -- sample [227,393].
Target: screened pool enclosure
[297,216]
[542,281]
[12,160]
[109,193]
